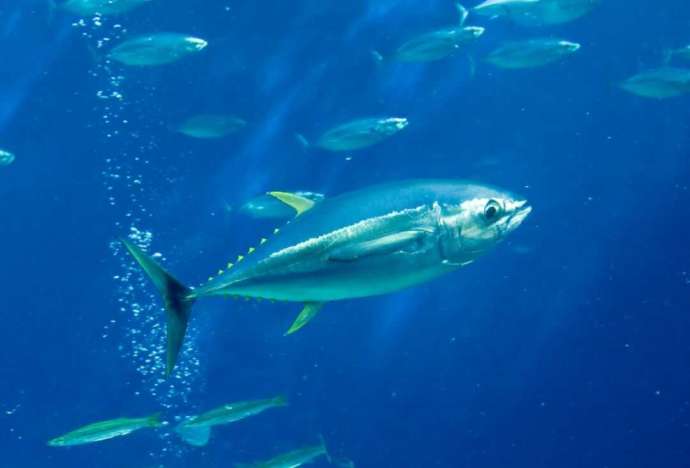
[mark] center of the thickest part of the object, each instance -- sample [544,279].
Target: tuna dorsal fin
[308,313]
[298,203]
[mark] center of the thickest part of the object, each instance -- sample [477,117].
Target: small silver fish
[293,459]
[6,158]
[197,430]
[531,53]
[659,83]
[438,44]
[105,430]
[358,134]
[208,126]
[435,45]
[156,49]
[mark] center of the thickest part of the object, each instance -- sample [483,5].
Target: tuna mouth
[522,210]
[477,31]
[571,46]
[400,123]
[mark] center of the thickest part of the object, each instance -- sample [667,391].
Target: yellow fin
[296,202]
[308,313]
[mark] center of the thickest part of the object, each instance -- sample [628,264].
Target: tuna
[156,49]
[364,243]
[358,134]
[104,430]
[659,83]
[531,53]
[208,126]
[197,430]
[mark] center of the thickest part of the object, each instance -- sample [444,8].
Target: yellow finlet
[251,250]
[276,231]
[240,258]
[220,272]
[294,201]
[263,241]
[230,265]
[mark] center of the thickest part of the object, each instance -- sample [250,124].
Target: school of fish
[372,241]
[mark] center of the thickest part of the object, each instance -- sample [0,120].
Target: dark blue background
[569,346]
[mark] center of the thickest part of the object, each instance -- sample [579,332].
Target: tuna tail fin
[154,420]
[177,298]
[196,436]
[280,400]
[325,449]
[463,12]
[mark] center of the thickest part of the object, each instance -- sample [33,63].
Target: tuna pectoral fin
[176,296]
[308,313]
[196,436]
[296,202]
[381,246]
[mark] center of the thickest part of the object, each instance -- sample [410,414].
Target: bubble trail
[136,326]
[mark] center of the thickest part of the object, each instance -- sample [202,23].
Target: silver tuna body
[365,243]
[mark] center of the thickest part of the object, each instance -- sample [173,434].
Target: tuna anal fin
[298,203]
[308,313]
[380,246]
[196,436]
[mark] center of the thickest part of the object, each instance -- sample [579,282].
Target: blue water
[568,346]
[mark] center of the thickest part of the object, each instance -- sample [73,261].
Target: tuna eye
[491,210]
